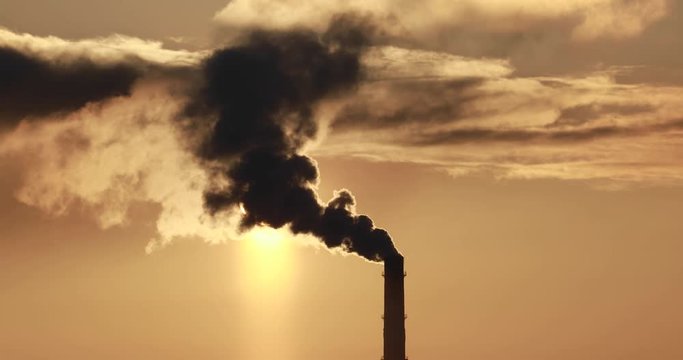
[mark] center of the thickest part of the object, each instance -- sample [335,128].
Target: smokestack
[394,309]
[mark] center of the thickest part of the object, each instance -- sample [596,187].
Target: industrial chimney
[394,309]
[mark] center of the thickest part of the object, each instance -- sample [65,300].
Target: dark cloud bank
[32,87]
[418,102]
[483,135]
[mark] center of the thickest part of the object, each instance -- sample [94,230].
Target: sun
[266,238]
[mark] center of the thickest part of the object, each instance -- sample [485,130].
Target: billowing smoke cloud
[259,99]
[33,87]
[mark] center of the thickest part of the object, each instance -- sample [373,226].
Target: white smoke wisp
[110,155]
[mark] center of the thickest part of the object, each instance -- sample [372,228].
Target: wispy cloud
[590,127]
[588,19]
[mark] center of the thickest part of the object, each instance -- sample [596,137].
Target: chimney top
[393,266]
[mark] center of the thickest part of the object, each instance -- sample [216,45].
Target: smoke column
[253,112]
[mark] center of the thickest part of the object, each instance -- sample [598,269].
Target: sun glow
[267,258]
[266,267]
[266,238]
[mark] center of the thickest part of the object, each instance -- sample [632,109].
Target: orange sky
[519,243]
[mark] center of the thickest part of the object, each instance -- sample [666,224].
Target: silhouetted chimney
[394,309]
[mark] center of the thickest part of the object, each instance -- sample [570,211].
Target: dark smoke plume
[258,99]
[32,87]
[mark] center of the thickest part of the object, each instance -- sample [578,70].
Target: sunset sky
[526,158]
